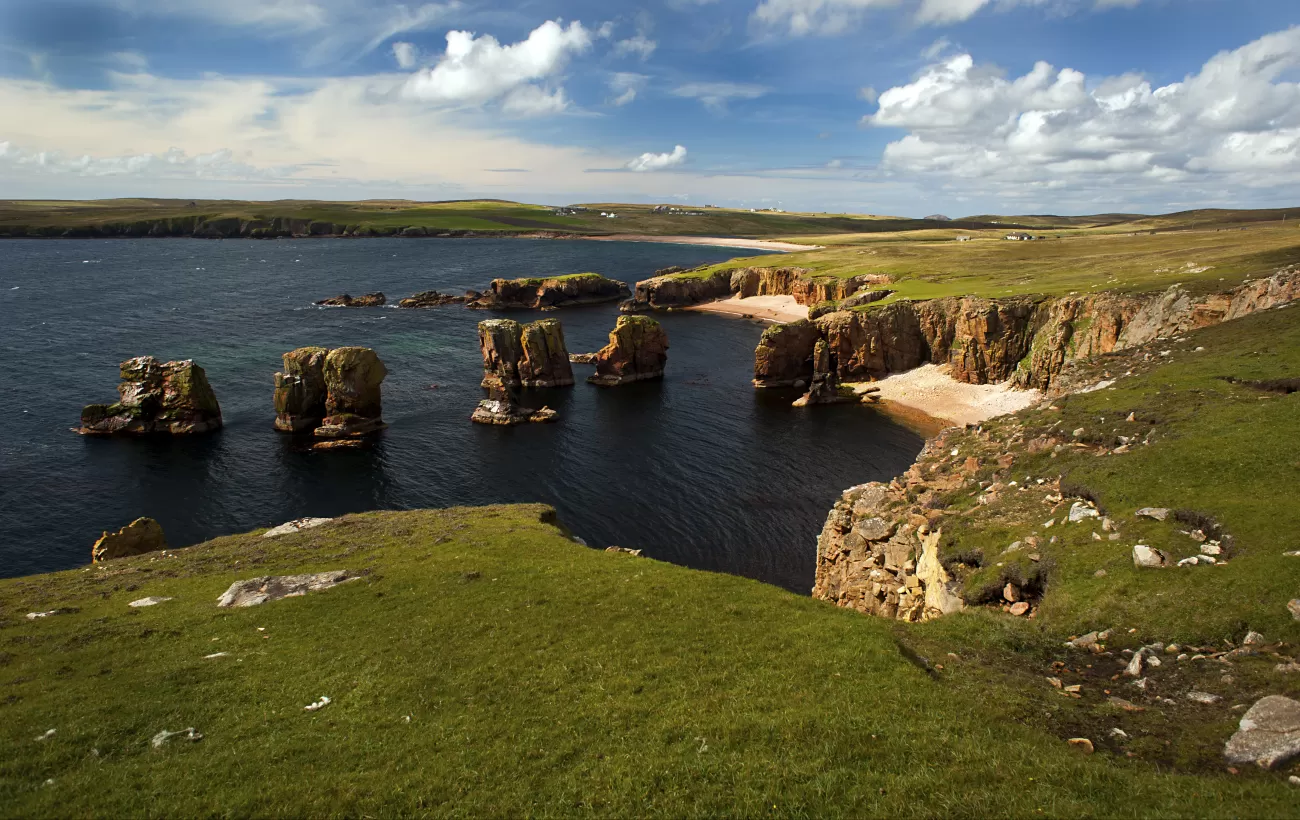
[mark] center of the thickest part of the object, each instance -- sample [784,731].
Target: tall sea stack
[530,355]
[352,402]
[300,390]
[170,397]
[637,351]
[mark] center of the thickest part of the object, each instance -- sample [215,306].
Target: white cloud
[831,17]
[715,96]
[638,46]
[868,93]
[1235,122]
[800,17]
[406,54]
[476,70]
[657,162]
[172,163]
[936,48]
[626,85]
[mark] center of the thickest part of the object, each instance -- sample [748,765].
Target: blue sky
[873,106]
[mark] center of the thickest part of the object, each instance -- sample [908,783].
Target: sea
[699,469]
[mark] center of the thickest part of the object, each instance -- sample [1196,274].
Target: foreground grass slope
[488,665]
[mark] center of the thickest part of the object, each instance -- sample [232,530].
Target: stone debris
[318,705]
[254,591]
[1293,606]
[1144,556]
[152,600]
[1083,744]
[1268,734]
[216,655]
[1203,697]
[1158,513]
[1125,705]
[1212,548]
[140,536]
[1080,511]
[164,736]
[48,734]
[296,525]
[1019,609]
[627,550]
[1119,733]
[1253,638]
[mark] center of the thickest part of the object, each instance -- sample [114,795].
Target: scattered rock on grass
[164,736]
[296,525]
[1080,511]
[627,550]
[318,705]
[1083,744]
[254,591]
[152,600]
[1268,735]
[1158,513]
[1144,556]
[1021,608]
[1293,606]
[140,536]
[1253,638]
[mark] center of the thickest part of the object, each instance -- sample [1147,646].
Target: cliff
[685,288]
[1025,339]
[571,290]
[211,226]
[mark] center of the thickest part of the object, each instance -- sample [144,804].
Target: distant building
[963,239]
[1020,237]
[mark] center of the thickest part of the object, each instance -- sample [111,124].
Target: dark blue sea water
[699,469]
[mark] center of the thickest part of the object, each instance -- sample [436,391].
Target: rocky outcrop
[683,289]
[255,591]
[432,298]
[375,299]
[352,403]
[1025,339]
[502,408]
[637,350]
[210,226]
[824,387]
[784,354]
[300,390]
[529,355]
[1268,735]
[140,536]
[550,293]
[169,397]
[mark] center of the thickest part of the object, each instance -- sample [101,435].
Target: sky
[901,107]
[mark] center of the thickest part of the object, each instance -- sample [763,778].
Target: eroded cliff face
[1024,339]
[677,290]
[637,351]
[156,398]
[548,294]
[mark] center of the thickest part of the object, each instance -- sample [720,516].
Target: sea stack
[300,390]
[825,385]
[352,402]
[501,407]
[784,354]
[530,355]
[549,293]
[170,397]
[637,350]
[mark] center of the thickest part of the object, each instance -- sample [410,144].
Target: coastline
[775,309]
[715,241]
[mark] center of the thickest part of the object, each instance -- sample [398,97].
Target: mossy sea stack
[300,390]
[171,397]
[637,351]
[352,403]
[530,355]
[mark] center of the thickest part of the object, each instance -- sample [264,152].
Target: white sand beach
[716,241]
[932,391]
[770,308]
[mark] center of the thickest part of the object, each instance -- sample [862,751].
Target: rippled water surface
[699,469]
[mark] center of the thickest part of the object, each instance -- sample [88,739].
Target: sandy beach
[770,308]
[930,390]
[716,241]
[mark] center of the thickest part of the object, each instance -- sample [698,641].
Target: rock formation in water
[432,298]
[582,358]
[529,355]
[549,293]
[501,407]
[824,387]
[140,536]
[375,299]
[352,402]
[784,354]
[300,390]
[703,285]
[637,350]
[169,397]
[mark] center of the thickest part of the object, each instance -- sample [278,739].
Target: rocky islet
[171,398]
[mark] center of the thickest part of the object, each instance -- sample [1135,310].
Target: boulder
[170,397]
[296,525]
[502,408]
[1144,556]
[300,390]
[1268,734]
[530,355]
[375,299]
[1157,513]
[254,591]
[785,354]
[140,536]
[352,401]
[637,351]
[570,290]
[431,298]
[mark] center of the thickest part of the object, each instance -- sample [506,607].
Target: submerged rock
[140,536]
[254,591]
[170,397]
[529,355]
[352,402]
[300,390]
[549,293]
[432,298]
[637,351]
[375,299]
